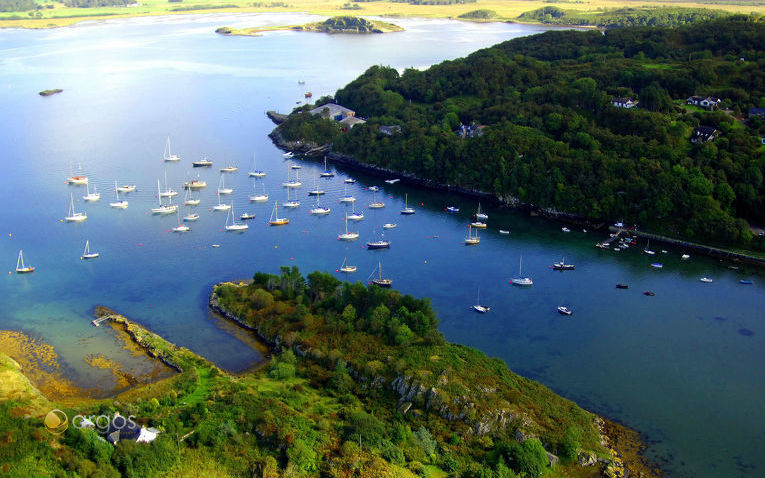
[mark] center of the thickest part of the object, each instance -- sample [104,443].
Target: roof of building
[351,121]
[622,99]
[705,130]
[333,110]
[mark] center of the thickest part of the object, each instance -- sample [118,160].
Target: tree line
[553,138]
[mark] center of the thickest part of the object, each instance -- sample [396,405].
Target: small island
[341,24]
[51,92]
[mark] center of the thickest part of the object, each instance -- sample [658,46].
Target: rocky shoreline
[319,151]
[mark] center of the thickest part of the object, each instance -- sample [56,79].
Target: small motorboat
[216,245]
[564,310]
[622,286]
[649,293]
[288,154]
[349,181]
[452,209]
[685,257]
[392,181]
[389,225]
[744,281]
[246,216]
[481,309]
[565,229]
[191,217]
[202,163]
[657,265]
[706,280]
[562,266]
[504,231]
[374,189]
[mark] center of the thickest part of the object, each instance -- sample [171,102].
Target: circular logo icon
[56,421]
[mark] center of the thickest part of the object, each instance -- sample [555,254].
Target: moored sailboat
[20,267]
[168,156]
[275,220]
[472,240]
[91,196]
[481,309]
[407,211]
[87,254]
[255,173]
[379,280]
[117,203]
[71,214]
[520,280]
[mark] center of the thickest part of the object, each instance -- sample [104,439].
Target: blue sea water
[684,367]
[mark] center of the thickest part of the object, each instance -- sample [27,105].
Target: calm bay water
[684,367]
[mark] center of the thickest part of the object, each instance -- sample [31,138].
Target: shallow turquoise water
[684,367]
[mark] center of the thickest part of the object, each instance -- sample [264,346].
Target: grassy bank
[61,15]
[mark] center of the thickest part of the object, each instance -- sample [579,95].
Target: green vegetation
[50,92]
[361,384]
[348,24]
[553,139]
[622,17]
[481,14]
[16,5]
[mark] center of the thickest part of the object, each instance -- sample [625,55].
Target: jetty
[607,243]
[97,322]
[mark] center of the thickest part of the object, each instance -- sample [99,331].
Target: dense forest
[623,17]
[16,5]
[361,383]
[552,137]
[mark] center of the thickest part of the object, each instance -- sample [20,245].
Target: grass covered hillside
[540,127]
[360,383]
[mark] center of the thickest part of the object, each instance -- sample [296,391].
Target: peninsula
[359,382]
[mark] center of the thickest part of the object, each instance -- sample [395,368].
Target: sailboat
[168,192]
[407,211]
[319,210]
[290,183]
[375,204]
[355,216]
[163,209]
[255,173]
[91,196]
[20,267]
[479,215]
[379,281]
[181,227]
[472,240]
[86,254]
[378,243]
[348,236]
[222,189]
[315,191]
[275,220]
[647,249]
[189,201]
[195,184]
[520,280]
[349,181]
[260,197]
[562,266]
[347,197]
[118,204]
[327,173]
[71,215]
[228,168]
[347,268]
[234,226]
[78,179]
[481,309]
[291,203]
[168,156]
[221,206]
[126,188]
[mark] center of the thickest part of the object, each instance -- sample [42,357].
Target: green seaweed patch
[51,92]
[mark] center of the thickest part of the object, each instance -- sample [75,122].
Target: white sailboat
[347,198]
[379,280]
[349,181]
[20,267]
[125,188]
[117,203]
[347,268]
[407,211]
[289,183]
[255,173]
[168,156]
[91,196]
[315,191]
[168,192]
[319,210]
[275,220]
[86,254]
[234,226]
[380,243]
[163,209]
[648,250]
[228,168]
[481,309]
[472,240]
[189,201]
[291,203]
[355,216]
[260,197]
[180,227]
[479,215]
[375,204]
[222,189]
[348,236]
[76,179]
[520,280]
[327,173]
[221,206]
[71,214]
